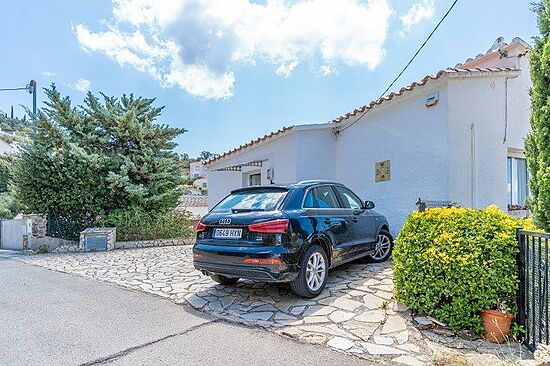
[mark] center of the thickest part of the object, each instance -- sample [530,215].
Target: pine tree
[538,141]
[105,155]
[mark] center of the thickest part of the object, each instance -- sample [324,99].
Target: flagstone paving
[356,313]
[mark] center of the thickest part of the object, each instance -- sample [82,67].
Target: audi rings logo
[224,221]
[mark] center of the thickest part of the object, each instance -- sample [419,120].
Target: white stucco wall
[478,148]
[197,169]
[519,106]
[279,153]
[315,154]
[413,138]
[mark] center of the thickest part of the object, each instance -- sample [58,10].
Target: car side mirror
[369,205]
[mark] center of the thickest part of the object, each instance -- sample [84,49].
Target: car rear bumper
[228,261]
[256,273]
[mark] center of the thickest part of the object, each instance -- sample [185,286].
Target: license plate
[227,233]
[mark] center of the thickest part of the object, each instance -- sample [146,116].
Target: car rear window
[254,200]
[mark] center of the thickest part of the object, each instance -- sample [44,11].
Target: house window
[518,180]
[255,179]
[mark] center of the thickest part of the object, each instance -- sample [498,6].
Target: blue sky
[230,71]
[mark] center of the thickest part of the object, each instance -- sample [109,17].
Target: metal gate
[14,234]
[533,288]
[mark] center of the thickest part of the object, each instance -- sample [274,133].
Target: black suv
[289,233]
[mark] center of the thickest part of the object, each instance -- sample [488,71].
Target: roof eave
[285,131]
[410,90]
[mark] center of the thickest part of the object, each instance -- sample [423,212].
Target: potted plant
[497,322]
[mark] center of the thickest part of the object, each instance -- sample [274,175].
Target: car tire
[223,280]
[384,247]
[313,273]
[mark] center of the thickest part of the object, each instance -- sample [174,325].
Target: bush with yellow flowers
[453,263]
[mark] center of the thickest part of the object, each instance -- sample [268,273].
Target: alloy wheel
[382,248]
[315,271]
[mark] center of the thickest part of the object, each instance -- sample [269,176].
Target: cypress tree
[538,142]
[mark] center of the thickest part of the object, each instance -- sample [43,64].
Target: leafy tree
[205,155]
[538,141]
[105,155]
[4,173]
[9,207]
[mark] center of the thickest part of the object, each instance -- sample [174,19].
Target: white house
[201,183]
[197,170]
[455,136]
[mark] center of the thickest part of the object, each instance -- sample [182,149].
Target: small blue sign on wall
[95,243]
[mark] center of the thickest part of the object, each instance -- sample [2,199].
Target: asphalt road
[50,318]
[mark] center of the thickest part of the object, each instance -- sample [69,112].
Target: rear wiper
[237,210]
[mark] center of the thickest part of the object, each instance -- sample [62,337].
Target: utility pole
[31,88]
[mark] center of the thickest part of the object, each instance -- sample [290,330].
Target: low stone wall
[57,245]
[70,247]
[152,243]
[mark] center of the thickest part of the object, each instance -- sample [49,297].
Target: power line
[406,66]
[8,89]
[31,88]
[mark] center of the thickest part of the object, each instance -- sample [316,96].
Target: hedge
[453,263]
[134,223]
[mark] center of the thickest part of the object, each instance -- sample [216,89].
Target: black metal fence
[67,226]
[533,289]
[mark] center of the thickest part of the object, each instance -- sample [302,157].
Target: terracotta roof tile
[189,200]
[250,143]
[369,106]
[416,84]
[493,49]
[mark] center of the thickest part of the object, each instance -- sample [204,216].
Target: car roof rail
[315,181]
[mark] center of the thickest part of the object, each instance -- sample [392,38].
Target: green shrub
[9,207]
[135,223]
[43,249]
[453,263]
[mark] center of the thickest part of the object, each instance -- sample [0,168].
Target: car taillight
[274,226]
[201,227]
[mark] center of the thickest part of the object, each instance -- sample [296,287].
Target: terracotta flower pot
[497,325]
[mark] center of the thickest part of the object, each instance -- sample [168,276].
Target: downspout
[473,165]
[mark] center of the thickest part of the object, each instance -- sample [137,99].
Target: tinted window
[251,201]
[349,199]
[325,197]
[309,201]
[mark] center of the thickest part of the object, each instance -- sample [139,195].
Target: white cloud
[48,73]
[285,69]
[82,85]
[194,44]
[417,13]
[327,70]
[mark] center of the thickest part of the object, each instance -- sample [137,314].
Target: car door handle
[354,219]
[357,212]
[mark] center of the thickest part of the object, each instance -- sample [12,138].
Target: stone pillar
[38,225]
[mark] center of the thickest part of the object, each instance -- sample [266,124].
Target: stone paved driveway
[356,313]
